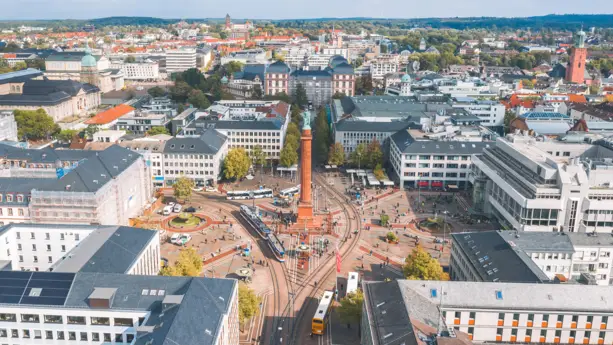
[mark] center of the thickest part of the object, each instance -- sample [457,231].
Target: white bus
[352,282]
[262,193]
[237,195]
[289,192]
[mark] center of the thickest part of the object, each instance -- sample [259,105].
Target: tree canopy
[322,136]
[189,264]
[300,96]
[155,130]
[359,156]
[156,91]
[182,188]
[350,308]
[66,135]
[289,155]
[35,124]
[336,155]
[236,164]
[257,155]
[198,99]
[374,154]
[248,303]
[421,266]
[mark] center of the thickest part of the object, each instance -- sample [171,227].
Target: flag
[338,259]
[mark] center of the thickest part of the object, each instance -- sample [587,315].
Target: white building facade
[180,60]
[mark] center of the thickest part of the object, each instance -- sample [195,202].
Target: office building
[533,257]
[531,184]
[416,312]
[144,71]
[79,248]
[179,60]
[72,186]
[383,65]
[491,113]
[110,308]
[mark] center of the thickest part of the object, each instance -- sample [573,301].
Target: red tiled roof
[110,115]
[577,98]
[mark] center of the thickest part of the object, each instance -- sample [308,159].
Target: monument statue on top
[306,119]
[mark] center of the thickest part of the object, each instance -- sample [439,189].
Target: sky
[291,9]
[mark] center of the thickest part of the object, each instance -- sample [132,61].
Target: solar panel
[37,288]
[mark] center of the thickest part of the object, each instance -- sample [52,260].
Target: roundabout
[187,222]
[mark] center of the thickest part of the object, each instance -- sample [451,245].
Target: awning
[437,184]
[423,183]
[452,186]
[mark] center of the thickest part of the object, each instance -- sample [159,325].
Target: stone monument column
[305,206]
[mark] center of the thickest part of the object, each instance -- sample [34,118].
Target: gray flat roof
[514,296]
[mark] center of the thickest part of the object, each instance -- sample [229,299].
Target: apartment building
[277,79]
[246,124]
[139,122]
[491,113]
[109,308]
[530,184]
[180,60]
[508,256]
[72,186]
[383,65]
[79,248]
[484,312]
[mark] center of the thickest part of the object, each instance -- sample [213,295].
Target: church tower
[228,21]
[575,72]
[89,68]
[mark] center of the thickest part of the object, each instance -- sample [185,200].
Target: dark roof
[68,56]
[367,126]
[301,73]
[278,67]
[46,92]
[19,76]
[497,260]
[388,316]
[407,144]
[343,68]
[20,185]
[247,125]
[195,320]
[250,71]
[119,251]
[208,143]
[41,53]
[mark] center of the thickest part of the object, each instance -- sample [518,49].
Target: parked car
[211,189]
[190,209]
[171,204]
[174,238]
[167,210]
[198,189]
[177,208]
[184,239]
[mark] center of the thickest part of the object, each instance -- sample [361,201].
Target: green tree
[336,154]
[378,172]
[155,130]
[35,124]
[292,129]
[248,303]
[374,154]
[350,308]
[257,155]
[289,155]
[232,67]
[281,96]
[363,85]
[193,77]
[223,35]
[384,219]
[391,237]
[338,95]
[189,264]
[359,156]
[182,188]
[296,115]
[90,130]
[198,99]
[236,163]
[292,140]
[322,136]
[156,91]
[300,96]
[508,117]
[257,92]
[180,91]
[66,135]
[129,59]
[19,66]
[421,266]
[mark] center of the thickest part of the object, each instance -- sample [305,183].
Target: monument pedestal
[305,210]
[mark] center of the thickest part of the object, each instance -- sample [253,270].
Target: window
[47,236]
[558,333]
[53,319]
[605,320]
[8,317]
[530,317]
[50,259]
[560,318]
[499,331]
[76,320]
[590,319]
[118,338]
[3,333]
[32,236]
[72,336]
[37,334]
[573,334]
[26,334]
[123,322]
[83,336]
[107,337]
[95,337]
[514,332]
[543,332]
[30,318]
[60,335]
[33,247]
[63,248]
[515,317]
[20,258]
[14,333]
[129,337]
[545,317]
[529,332]
[471,315]
[48,334]
[98,321]
[575,318]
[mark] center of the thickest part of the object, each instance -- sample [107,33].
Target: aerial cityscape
[324,173]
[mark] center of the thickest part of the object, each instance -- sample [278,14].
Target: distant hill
[119,21]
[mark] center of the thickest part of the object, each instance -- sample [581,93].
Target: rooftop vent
[102,298]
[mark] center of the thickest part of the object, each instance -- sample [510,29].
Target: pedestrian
[381,266]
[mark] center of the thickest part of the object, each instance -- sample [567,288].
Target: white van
[167,210]
[177,208]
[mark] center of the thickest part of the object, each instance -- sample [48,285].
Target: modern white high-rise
[180,60]
[540,184]
[141,71]
[491,113]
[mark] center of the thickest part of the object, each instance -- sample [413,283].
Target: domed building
[85,67]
